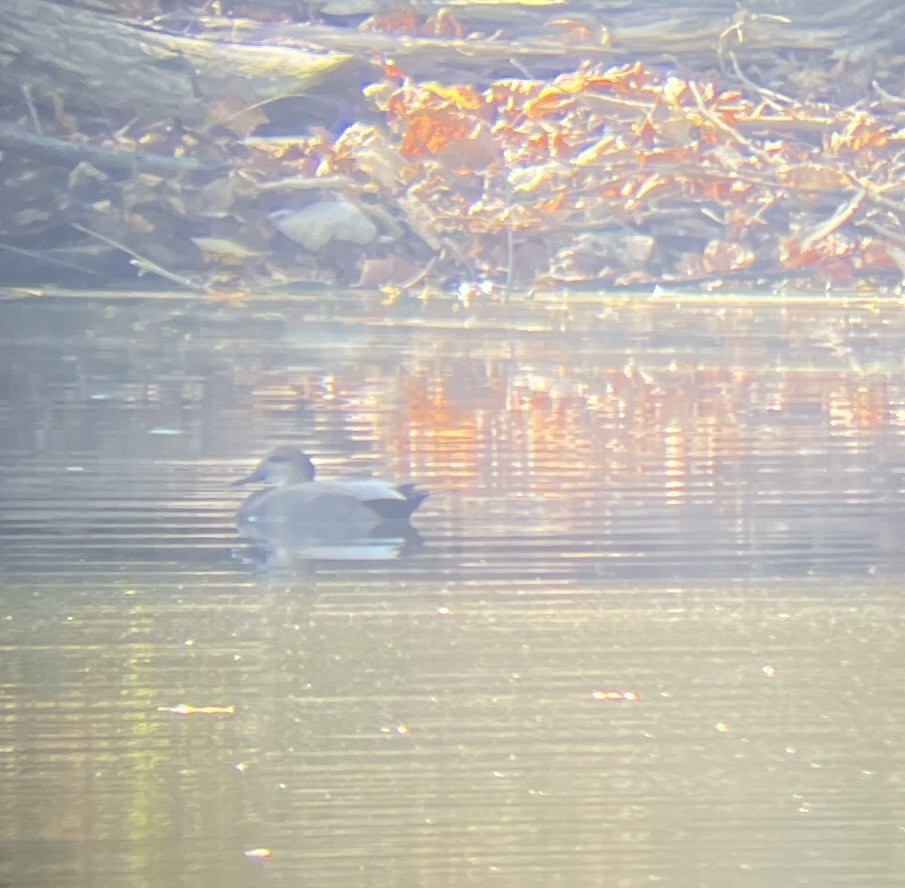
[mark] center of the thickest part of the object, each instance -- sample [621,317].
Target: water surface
[653,632]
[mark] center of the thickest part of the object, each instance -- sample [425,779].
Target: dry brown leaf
[238,117]
[813,179]
[388,271]
[222,249]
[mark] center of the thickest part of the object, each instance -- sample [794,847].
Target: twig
[842,215]
[738,23]
[721,124]
[32,111]
[889,97]
[307,183]
[774,99]
[51,260]
[108,159]
[142,263]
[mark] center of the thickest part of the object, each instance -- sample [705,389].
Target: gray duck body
[295,504]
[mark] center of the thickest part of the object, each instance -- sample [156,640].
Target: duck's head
[286,465]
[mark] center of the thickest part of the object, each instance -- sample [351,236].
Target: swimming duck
[295,503]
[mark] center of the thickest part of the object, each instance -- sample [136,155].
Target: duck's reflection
[388,541]
[296,519]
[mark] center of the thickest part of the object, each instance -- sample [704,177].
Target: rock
[319,223]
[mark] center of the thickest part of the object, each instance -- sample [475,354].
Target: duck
[295,503]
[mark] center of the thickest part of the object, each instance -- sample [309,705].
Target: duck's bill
[259,474]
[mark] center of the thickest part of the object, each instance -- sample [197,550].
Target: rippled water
[651,633]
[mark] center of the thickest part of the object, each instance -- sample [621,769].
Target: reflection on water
[650,629]
[641,441]
[384,542]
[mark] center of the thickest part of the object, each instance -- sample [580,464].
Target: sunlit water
[651,633]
